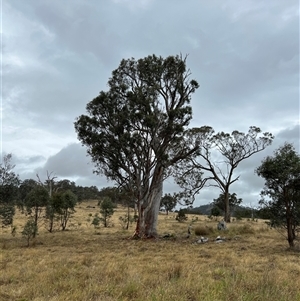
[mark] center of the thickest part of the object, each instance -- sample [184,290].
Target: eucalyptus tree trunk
[226,207]
[290,233]
[148,208]
[146,226]
[289,223]
[140,224]
[152,214]
[36,216]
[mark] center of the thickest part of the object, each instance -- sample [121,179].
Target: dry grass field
[85,263]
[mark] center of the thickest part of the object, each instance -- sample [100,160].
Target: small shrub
[29,231]
[96,221]
[181,215]
[125,220]
[107,209]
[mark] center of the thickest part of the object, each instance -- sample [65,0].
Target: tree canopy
[134,131]
[233,201]
[281,193]
[107,209]
[168,202]
[37,199]
[63,204]
[216,159]
[9,184]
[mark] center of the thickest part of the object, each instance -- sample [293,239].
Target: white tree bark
[151,217]
[148,208]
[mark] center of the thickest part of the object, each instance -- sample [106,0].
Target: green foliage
[239,215]
[136,130]
[82,193]
[215,211]
[168,202]
[25,188]
[30,230]
[96,221]
[244,213]
[125,220]
[7,213]
[50,215]
[34,197]
[86,193]
[134,99]
[233,201]
[264,213]
[107,210]
[181,215]
[110,192]
[37,199]
[63,205]
[281,193]
[9,183]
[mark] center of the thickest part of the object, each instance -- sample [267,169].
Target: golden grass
[85,263]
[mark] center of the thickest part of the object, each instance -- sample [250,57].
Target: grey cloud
[73,163]
[70,161]
[24,166]
[243,58]
[31,160]
[291,135]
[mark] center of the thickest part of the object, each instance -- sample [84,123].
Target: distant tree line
[52,200]
[55,201]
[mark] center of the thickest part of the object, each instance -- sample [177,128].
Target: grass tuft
[204,230]
[174,272]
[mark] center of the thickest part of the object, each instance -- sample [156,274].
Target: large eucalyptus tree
[217,158]
[134,131]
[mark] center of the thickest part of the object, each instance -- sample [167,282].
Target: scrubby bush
[96,221]
[125,220]
[181,215]
[107,210]
[30,230]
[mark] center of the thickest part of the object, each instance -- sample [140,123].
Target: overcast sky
[58,55]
